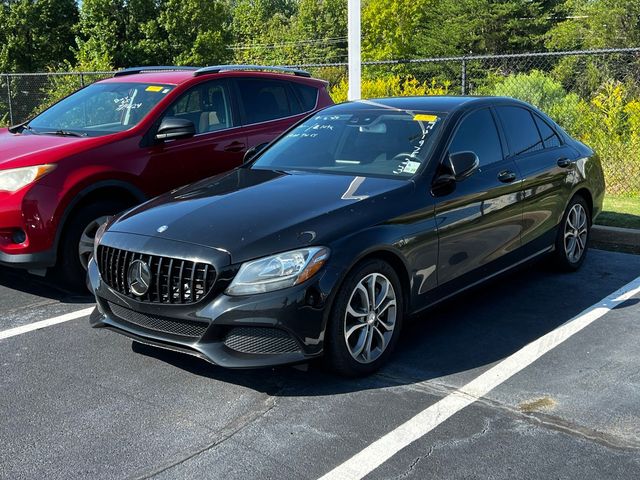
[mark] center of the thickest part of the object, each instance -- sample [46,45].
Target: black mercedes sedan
[325,240]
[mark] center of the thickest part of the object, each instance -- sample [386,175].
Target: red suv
[122,140]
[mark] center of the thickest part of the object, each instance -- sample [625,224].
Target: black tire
[69,269]
[337,351]
[562,258]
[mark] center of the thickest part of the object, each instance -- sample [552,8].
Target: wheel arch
[387,254]
[102,190]
[585,193]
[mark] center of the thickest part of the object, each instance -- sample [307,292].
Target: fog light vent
[19,236]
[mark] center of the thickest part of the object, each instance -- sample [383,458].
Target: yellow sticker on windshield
[154,88]
[423,117]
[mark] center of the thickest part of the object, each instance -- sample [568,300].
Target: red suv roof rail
[261,68]
[166,68]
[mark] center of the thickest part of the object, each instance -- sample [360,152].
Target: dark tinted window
[266,100]
[478,134]
[308,96]
[521,132]
[549,137]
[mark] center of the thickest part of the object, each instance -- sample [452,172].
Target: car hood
[251,213]
[18,150]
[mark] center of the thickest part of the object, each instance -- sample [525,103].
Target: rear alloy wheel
[573,235]
[366,319]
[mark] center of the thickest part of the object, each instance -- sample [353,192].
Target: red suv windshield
[101,109]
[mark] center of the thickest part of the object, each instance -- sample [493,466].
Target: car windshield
[377,142]
[100,109]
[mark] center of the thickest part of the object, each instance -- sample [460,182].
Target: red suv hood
[18,150]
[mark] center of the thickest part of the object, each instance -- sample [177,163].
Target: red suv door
[217,146]
[268,107]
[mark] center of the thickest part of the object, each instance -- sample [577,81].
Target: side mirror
[173,128]
[457,167]
[463,164]
[253,151]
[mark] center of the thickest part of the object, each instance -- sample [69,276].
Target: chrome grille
[260,340]
[174,326]
[172,280]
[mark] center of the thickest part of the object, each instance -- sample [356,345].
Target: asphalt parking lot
[82,403]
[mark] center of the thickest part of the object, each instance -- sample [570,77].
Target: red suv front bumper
[27,234]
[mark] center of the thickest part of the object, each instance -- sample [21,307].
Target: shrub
[611,126]
[390,86]
[543,92]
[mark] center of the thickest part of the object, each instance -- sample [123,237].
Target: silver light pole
[353,26]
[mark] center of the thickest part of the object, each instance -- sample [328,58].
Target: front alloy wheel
[365,319]
[370,318]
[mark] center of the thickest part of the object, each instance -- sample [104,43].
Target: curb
[605,236]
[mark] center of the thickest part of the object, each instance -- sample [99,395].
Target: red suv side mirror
[172,128]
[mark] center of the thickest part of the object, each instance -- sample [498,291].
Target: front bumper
[30,212]
[276,328]
[28,260]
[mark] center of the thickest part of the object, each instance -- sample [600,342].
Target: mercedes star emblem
[139,277]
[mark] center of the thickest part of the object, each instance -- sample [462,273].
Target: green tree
[36,34]
[404,29]
[290,31]
[257,26]
[118,31]
[319,30]
[596,24]
[194,32]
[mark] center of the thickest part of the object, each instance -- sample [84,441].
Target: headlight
[278,271]
[98,236]
[16,178]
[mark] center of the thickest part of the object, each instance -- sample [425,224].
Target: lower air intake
[260,340]
[173,326]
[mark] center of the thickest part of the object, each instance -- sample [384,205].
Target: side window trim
[538,118]
[300,100]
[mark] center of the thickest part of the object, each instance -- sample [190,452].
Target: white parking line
[12,332]
[384,448]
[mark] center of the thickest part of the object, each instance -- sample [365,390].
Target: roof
[167,78]
[439,103]
[177,75]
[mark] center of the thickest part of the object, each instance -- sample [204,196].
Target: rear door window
[520,130]
[477,133]
[264,100]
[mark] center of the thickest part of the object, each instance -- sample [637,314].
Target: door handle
[564,162]
[235,147]
[506,176]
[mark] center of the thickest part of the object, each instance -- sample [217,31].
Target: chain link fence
[23,95]
[595,94]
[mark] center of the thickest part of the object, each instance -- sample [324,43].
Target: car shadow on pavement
[23,281]
[471,331]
